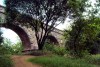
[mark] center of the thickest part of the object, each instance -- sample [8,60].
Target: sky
[2,2]
[9,34]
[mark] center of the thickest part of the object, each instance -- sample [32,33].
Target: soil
[21,61]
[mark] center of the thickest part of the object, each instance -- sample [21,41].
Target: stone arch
[21,33]
[52,40]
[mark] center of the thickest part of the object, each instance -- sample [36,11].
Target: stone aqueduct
[27,35]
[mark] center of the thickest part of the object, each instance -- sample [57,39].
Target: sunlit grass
[58,61]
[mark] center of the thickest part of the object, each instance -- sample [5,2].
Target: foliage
[74,43]
[77,8]
[6,44]
[95,59]
[1,38]
[54,49]
[82,38]
[58,61]
[91,38]
[3,50]
[12,48]
[48,47]
[42,15]
[60,51]
[17,48]
[5,61]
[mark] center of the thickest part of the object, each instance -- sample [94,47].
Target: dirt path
[21,61]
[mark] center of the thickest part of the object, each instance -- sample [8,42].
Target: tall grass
[58,61]
[94,59]
[5,61]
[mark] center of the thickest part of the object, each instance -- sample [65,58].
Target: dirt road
[21,61]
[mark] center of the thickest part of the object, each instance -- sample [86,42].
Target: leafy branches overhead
[42,15]
[46,11]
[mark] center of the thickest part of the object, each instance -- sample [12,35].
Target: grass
[58,61]
[5,61]
[95,59]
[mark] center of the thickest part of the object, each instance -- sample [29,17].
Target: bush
[12,48]
[5,61]
[17,48]
[48,47]
[59,50]
[55,49]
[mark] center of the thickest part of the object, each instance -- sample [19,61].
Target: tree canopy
[42,15]
[83,36]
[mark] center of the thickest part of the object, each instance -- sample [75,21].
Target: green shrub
[81,54]
[59,50]
[48,47]
[55,49]
[17,48]
[5,61]
[12,48]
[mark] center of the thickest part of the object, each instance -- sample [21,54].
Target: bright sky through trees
[2,2]
[11,35]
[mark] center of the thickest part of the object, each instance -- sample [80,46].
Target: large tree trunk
[41,43]
[40,46]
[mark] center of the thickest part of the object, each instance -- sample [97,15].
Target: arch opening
[51,39]
[22,35]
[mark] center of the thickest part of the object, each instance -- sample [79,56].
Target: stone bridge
[27,35]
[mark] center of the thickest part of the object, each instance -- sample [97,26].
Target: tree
[74,42]
[91,32]
[83,34]
[73,36]
[42,15]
